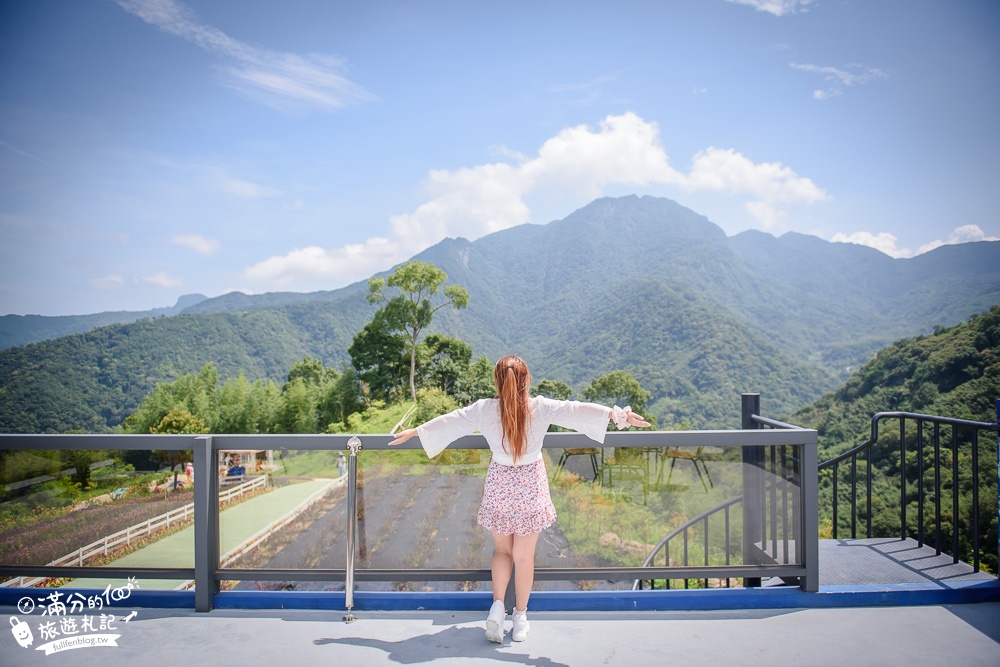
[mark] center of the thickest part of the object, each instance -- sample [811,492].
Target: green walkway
[236,525]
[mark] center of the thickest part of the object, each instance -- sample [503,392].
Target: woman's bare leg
[523,553]
[503,547]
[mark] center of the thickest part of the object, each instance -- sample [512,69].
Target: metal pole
[354,445]
[998,478]
[753,489]
[809,488]
[206,523]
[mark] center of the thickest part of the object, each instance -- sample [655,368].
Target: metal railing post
[809,490]
[206,523]
[354,445]
[998,479]
[753,489]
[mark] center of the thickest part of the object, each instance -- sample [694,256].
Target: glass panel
[299,520]
[97,508]
[614,508]
[639,498]
[422,515]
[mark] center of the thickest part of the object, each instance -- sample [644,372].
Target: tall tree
[378,353]
[446,361]
[553,389]
[618,388]
[478,382]
[412,310]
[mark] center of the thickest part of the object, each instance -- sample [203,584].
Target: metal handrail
[852,455]
[878,417]
[775,424]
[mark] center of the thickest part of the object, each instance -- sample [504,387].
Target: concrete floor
[966,635]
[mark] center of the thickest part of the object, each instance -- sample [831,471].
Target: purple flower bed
[48,539]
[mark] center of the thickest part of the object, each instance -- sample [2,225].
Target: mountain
[23,329]
[637,283]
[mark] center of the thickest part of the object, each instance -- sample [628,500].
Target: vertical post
[753,489]
[206,523]
[809,488]
[354,445]
[998,477]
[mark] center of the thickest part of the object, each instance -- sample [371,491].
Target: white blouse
[590,419]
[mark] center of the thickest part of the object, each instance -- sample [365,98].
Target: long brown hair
[512,380]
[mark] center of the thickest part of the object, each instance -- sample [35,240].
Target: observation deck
[693,545]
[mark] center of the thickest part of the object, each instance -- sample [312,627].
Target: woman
[516,503]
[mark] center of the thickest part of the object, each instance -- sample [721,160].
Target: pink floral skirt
[516,499]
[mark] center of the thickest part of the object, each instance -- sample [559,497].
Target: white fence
[251,542]
[100,547]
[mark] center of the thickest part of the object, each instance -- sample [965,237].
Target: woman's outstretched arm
[403,437]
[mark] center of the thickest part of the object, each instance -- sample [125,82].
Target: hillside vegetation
[638,284]
[954,372]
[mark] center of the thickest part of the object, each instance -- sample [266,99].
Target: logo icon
[26,605]
[21,631]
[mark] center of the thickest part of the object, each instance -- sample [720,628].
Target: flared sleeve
[440,432]
[590,419]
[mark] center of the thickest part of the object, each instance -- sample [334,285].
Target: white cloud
[963,234]
[699,90]
[277,78]
[242,188]
[776,7]
[197,243]
[839,79]
[107,282]
[883,242]
[576,164]
[162,279]
[769,183]
[334,267]
[887,243]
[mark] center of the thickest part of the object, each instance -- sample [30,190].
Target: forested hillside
[639,284]
[92,381]
[25,329]
[954,372]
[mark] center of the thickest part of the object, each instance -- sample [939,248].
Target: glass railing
[274,512]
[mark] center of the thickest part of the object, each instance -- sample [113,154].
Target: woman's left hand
[404,436]
[635,419]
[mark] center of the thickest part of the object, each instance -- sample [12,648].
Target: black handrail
[852,454]
[895,415]
[865,449]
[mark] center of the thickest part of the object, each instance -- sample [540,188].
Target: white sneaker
[494,622]
[520,630]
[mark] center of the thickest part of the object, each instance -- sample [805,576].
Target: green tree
[309,370]
[300,407]
[341,398]
[478,382]
[619,388]
[379,355]
[411,311]
[553,389]
[178,420]
[240,406]
[445,361]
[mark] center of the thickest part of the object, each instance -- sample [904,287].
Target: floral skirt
[516,499]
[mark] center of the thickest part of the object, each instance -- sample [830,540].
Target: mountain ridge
[791,315]
[24,329]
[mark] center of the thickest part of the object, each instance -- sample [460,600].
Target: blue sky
[153,148]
